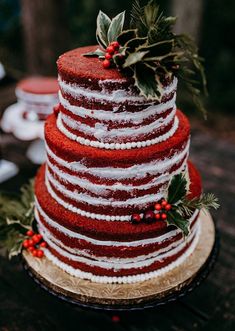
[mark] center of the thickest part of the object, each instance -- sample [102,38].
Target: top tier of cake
[102,108]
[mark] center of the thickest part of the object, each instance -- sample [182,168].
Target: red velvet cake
[112,153]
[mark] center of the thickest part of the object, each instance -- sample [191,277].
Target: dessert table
[25,306]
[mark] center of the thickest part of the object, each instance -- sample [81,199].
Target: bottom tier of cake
[148,251]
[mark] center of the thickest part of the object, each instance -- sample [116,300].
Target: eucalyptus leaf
[116,27]
[103,24]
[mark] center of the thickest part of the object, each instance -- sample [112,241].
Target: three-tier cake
[112,153]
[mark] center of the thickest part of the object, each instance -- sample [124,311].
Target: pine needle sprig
[204,202]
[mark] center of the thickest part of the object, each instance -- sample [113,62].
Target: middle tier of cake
[108,184]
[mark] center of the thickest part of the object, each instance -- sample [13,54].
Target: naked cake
[118,200]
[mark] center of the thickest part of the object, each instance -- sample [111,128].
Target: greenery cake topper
[150,52]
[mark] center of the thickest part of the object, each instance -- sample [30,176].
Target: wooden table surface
[24,306]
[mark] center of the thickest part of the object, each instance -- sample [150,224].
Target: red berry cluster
[112,49]
[33,244]
[158,213]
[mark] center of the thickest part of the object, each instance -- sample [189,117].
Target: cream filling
[135,171]
[118,186]
[97,242]
[127,145]
[101,201]
[125,279]
[101,131]
[121,265]
[81,212]
[122,117]
[117,96]
[55,243]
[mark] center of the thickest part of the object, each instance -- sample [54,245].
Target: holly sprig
[182,208]
[177,208]
[150,52]
[16,219]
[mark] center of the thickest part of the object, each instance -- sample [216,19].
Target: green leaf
[14,222]
[177,189]
[15,249]
[160,48]
[116,27]
[103,24]
[151,12]
[126,35]
[96,53]
[16,216]
[133,58]
[176,219]
[145,81]
[135,43]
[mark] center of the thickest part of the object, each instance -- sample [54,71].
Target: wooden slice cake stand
[147,294]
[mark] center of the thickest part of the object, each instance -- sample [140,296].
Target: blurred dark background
[34,33]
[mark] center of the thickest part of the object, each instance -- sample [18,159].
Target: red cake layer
[70,150]
[109,181]
[95,270]
[93,104]
[85,246]
[117,195]
[104,230]
[125,105]
[111,123]
[124,139]
[74,67]
[39,85]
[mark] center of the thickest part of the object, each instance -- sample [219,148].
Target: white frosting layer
[125,279]
[81,212]
[121,117]
[104,189]
[102,133]
[93,241]
[124,264]
[136,171]
[101,201]
[127,145]
[116,96]
[75,252]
